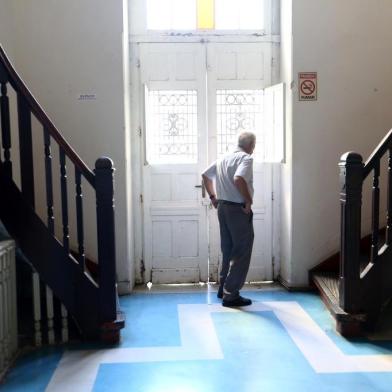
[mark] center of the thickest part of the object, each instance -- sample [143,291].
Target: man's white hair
[246,139]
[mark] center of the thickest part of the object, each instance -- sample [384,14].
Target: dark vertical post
[79,217]
[389,200]
[5,125]
[49,181]
[351,179]
[64,199]
[104,187]
[26,149]
[375,213]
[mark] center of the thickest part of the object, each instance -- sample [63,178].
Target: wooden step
[349,325]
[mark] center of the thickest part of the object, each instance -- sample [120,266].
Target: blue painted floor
[259,350]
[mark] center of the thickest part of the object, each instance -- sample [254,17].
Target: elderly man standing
[233,175]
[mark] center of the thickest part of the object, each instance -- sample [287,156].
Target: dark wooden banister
[377,154]
[101,179]
[353,282]
[37,110]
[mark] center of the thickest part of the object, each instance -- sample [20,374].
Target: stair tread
[328,285]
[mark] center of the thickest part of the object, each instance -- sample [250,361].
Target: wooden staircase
[93,303]
[356,283]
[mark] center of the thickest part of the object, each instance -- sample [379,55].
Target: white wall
[349,44]
[62,50]
[286,180]
[6,31]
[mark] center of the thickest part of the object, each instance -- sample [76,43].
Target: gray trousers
[236,231]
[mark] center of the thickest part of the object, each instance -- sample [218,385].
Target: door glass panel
[171,126]
[239,111]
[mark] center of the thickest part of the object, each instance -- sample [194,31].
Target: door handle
[203,189]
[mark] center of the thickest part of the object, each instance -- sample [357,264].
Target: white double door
[197,98]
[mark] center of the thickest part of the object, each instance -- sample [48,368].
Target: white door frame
[136,147]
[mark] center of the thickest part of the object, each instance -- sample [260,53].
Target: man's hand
[214,202]
[247,208]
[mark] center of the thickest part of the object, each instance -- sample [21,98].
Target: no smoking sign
[307,83]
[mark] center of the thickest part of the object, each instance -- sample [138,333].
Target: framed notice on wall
[307,86]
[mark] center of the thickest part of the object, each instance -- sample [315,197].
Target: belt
[231,203]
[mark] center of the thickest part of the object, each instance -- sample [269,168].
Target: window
[238,111]
[257,111]
[205,14]
[171,125]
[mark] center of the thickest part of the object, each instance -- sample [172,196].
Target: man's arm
[242,186]
[209,184]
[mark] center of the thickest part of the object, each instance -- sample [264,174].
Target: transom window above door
[205,15]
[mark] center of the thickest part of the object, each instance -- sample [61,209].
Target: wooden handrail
[377,154]
[18,84]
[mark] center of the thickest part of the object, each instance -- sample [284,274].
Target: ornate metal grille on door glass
[239,111]
[171,119]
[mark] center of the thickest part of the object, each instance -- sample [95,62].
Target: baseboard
[289,287]
[124,288]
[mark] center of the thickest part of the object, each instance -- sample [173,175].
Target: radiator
[8,315]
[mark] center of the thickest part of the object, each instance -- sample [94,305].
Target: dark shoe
[240,301]
[220,292]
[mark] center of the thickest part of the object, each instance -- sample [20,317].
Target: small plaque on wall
[307,83]
[87,97]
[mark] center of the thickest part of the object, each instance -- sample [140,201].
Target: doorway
[195,99]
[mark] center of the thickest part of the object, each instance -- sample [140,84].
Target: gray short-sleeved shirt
[238,163]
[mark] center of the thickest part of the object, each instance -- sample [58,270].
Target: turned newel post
[351,178]
[104,186]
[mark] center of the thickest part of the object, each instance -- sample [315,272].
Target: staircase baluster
[64,199]
[64,208]
[375,213]
[79,217]
[7,310]
[37,309]
[64,323]
[50,315]
[388,239]
[6,129]
[8,319]
[49,181]
[50,220]
[26,150]
[14,315]
[2,317]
